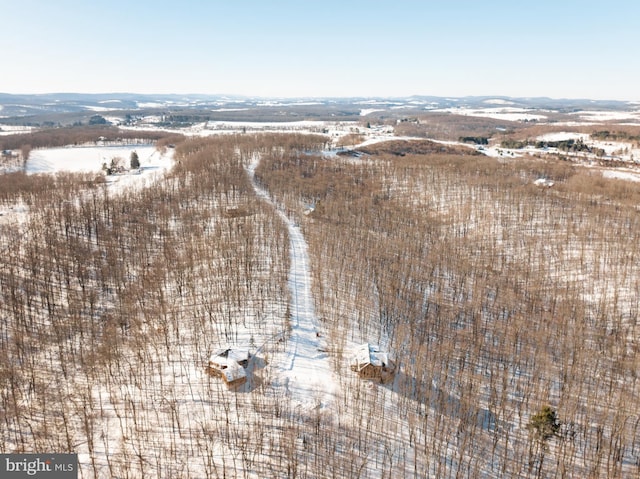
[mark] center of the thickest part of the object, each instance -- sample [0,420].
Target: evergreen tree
[544,425]
[135,160]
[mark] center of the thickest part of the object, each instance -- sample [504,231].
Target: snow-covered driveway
[303,370]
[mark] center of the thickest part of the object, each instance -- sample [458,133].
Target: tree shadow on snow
[428,395]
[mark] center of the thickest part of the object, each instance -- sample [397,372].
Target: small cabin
[372,363]
[230,364]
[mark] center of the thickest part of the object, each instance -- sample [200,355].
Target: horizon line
[323,97]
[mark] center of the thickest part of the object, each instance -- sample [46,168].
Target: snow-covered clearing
[598,115]
[506,113]
[366,111]
[619,174]
[563,136]
[498,101]
[229,109]
[265,125]
[377,137]
[99,108]
[12,130]
[88,159]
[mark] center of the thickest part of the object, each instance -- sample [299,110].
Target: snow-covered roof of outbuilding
[228,368]
[370,354]
[232,372]
[233,354]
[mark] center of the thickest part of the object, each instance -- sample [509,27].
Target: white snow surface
[150,104]
[601,115]
[267,125]
[497,101]
[305,371]
[366,111]
[13,130]
[506,113]
[99,108]
[230,109]
[562,136]
[622,174]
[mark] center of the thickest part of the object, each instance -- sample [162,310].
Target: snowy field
[622,174]
[503,113]
[12,130]
[562,136]
[89,159]
[600,116]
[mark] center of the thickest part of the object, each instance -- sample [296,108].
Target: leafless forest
[497,298]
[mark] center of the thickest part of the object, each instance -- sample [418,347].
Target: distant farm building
[230,364]
[371,363]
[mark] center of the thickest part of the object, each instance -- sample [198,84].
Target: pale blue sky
[556,48]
